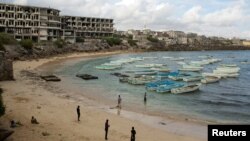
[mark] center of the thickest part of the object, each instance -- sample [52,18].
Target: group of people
[120,100]
[14,124]
[106,127]
[133,132]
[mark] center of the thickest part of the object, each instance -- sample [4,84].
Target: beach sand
[29,96]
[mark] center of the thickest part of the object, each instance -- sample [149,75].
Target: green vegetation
[152,39]
[80,40]
[59,43]
[2,47]
[6,39]
[132,42]
[2,107]
[113,41]
[27,44]
[130,37]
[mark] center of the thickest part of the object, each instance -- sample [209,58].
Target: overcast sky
[227,18]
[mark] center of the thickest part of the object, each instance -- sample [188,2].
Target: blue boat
[167,88]
[152,86]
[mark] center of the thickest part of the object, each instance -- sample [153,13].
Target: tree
[27,44]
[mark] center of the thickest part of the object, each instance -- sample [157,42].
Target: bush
[130,37]
[151,39]
[6,39]
[113,41]
[27,44]
[80,40]
[59,43]
[132,42]
[2,107]
[2,47]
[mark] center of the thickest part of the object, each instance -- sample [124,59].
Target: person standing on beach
[78,112]
[145,97]
[106,129]
[133,132]
[119,101]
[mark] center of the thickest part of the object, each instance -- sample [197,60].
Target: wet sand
[55,109]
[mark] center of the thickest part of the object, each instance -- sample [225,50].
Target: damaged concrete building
[74,27]
[45,24]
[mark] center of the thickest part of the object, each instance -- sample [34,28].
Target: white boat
[192,78]
[222,75]
[186,89]
[148,65]
[210,79]
[190,69]
[167,57]
[161,69]
[177,59]
[150,57]
[181,63]
[226,71]
[228,65]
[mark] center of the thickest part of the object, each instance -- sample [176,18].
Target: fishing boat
[145,73]
[190,69]
[177,59]
[152,86]
[167,88]
[180,75]
[192,78]
[162,69]
[105,67]
[223,70]
[140,80]
[210,79]
[167,57]
[186,89]
[228,65]
[148,65]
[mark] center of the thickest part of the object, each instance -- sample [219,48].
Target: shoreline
[171,132]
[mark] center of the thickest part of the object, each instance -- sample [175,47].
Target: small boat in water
[86,76]
[105,67]
[167,88]
[186,89]
[210,79]
[192,78]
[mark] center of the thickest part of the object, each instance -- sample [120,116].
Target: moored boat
[186,89]
[210,79]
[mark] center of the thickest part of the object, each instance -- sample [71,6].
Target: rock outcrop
[6,68]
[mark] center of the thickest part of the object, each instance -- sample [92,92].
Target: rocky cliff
[6,68]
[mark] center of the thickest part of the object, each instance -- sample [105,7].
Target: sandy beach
[30,96]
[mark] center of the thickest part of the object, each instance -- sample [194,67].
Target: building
[83,27]
[46,24]
[29,22]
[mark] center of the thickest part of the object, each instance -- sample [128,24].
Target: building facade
[46,24]
[74,27]
[28,22]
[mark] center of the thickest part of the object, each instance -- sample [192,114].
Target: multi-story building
[45,24]
[74,27]
[29,22]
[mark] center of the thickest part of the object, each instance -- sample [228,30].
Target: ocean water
[227,101]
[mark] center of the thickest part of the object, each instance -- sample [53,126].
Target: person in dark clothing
[119,101]
[106,129]
[133,132]
[145,97]
[78,112]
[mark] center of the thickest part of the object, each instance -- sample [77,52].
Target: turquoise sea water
[227,101]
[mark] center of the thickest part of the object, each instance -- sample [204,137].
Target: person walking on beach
[78,112]
[106,129]
[119,101]
[133,132]
[145,97]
